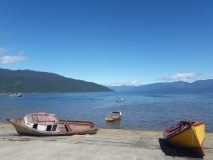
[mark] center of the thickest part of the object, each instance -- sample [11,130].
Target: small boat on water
[46,124]
[120,100]
[114,116]
[16,95]
[187,134]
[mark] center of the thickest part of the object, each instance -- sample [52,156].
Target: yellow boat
[187,134]
[115,116]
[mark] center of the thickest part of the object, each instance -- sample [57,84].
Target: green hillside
[27,81]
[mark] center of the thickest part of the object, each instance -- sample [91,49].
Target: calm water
[139,111]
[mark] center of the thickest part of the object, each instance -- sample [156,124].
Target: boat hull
[190,137]
[43,124]
[109,119]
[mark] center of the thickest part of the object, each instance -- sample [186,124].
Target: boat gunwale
[198,123]
[195,124]
[177,133]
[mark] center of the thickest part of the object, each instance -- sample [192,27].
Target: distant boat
[187,134]
[114,116]
[16,95]
[46,124]
[120,100]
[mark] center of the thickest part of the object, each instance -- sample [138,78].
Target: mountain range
[179,86]
[28,81]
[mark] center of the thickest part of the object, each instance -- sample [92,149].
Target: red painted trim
[198,123]
[195,124]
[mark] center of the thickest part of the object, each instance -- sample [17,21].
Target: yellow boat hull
[108,119]
[192,137]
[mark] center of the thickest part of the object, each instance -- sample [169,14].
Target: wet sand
[106,144]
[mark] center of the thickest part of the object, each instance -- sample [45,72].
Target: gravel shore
[107,144]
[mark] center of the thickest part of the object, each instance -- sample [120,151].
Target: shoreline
[7,124]
[106,144]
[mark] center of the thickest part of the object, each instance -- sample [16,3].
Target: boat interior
[179,126]
[48,122]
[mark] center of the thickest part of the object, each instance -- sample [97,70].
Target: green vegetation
[27,81]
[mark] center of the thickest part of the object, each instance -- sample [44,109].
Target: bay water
[140,111]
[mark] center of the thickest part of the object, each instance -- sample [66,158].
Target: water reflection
[113,124]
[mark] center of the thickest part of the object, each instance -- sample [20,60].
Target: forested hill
[28,81]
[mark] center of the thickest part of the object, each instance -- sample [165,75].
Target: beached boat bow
[187,134]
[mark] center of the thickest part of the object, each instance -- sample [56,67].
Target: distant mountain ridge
[28,81]
[179,86]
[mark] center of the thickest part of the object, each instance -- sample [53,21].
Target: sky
[109,42]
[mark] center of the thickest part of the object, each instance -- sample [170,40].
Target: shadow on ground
[173,151]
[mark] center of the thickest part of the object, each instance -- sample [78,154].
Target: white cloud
[2,50]
[188,77]
[12,59]
[124,83]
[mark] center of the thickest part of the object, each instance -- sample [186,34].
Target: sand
[107,144]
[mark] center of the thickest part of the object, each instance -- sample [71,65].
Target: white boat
[120,100]
[16,95]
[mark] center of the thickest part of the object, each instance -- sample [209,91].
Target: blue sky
[109,42]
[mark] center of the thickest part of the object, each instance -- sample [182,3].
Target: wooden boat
[45,124]
[187,134]
[114,116]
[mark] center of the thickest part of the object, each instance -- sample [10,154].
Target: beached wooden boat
[45,124]
[114,116]
[187,134]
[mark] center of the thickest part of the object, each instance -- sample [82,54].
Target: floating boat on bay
[187,134]
[120,100]
[46,124]
[16,95]
[114,116]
